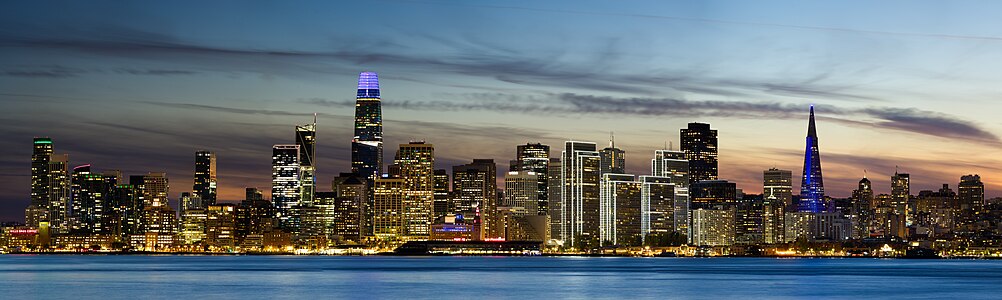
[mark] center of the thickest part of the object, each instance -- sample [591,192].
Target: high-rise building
[352,191]
[554,192]
[863,208]
[971,192]
[59,210]
[620,210]
[713,194]
[613,159]
[388,220]
[285,185]
[699,143]
[417,169]
[255,217]
[675,166]
[777,196]
[306,139]
[521,190]
[749,219]
[443,198]
[712,227]
[40,157]
[812,186]
[159,221]
[367,145]
[89,192]
[474,194]
[900,194]
[221,226]
[193,216]
[535,158]
[579,207]
[205,177]
[658,206]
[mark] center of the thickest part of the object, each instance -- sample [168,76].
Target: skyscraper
[474,187]
[442,205]
[89,192]
[812,187]
[971,192]
[900,192]
[620,210]
[205,177]
[367,145]
[579,203]
[520,190]
[863,208]
[306,139]
[37,210]
[59,210]
[535,158]
[674,165]
[285,185]
[613,159]
[699,143]
[417,165]
[777,195]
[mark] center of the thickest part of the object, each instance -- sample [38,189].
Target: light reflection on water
[296,277]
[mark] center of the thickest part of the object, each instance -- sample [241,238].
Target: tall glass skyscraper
[285,185]
[699,143]
[812,188]
[205,177]
[367,145]
[306,139]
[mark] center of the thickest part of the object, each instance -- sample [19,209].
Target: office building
[699,143]
[863,208]
[285,185]
[535,158]
[205,177]
[579,203]
[620,210]
[306,139]
[367,144]
[812,186]
[777,195]
[417,164]
[613,159]
[474,194]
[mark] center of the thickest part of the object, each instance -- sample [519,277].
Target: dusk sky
[139,86]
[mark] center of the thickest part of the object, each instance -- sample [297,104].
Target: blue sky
[140,86]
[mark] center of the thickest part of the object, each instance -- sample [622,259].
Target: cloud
[604,70]
[52,72]
[157,72]
[908,120]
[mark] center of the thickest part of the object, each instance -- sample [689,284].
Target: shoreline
[390,254]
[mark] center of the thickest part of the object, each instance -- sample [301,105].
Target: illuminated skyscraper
[352,191]
[89,197]
[285,185]
[620,211]
[367,145]
[699,143]
[520,190]
[613,159]
[579,202]
[900,192]
[812,186]
[205,177]
[417,165]
[36,211]
[535,158]
[306,139]
[442,197]
[59,210]
[777,196]
[971,192]
[674,165]
[863,208]
[474,194]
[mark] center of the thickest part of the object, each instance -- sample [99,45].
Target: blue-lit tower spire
[367,145]
[812,188]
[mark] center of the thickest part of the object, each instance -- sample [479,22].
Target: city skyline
[142,98]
